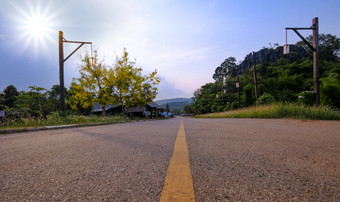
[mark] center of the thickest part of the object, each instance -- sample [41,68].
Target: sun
[37,27]
[35,24]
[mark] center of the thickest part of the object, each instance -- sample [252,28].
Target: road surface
[229,160]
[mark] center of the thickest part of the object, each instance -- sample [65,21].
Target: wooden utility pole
[316,60]
[61,66]
[238,91]
[315,48]
[255,83]
[61,73]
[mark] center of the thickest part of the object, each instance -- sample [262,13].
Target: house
[109,109]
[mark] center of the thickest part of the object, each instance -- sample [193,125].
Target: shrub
[266,98]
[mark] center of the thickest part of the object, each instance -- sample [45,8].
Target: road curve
[230,160]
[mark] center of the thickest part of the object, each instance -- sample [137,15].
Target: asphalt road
[230,160]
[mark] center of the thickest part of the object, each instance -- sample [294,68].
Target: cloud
[2,37]
[168,90]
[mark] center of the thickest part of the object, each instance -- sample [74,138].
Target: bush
[266,98]
[307,98]
[234,105]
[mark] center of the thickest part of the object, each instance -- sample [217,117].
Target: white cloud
[168,90]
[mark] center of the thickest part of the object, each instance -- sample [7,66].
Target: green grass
[54,119]
[290,111]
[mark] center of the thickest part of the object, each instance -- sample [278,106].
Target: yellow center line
[178,184]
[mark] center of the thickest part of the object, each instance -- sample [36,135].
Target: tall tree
[227,67]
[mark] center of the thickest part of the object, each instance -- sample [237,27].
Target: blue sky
[185,40]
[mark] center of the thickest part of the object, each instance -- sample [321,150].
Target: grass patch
[291,111]
[54,119]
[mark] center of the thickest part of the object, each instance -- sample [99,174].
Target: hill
[176,105]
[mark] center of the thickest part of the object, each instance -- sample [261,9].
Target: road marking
[178,184]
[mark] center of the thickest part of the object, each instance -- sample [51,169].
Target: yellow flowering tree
[129,86]
[92,86]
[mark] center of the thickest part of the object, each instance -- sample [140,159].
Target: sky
[185,40]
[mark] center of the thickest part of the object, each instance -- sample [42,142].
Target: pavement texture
[230,160]
[264,160]
[121,162]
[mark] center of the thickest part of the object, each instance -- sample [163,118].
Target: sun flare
[37,26]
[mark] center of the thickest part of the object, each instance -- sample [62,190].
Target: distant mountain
[172,100]
[176,105]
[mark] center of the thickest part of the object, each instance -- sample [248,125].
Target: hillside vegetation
[281,79]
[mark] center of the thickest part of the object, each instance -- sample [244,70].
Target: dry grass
[292,111]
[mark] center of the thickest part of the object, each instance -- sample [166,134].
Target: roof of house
[154,105]
[98,108]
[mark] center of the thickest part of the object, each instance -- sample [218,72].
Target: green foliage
[55,119]
[33,102]
[265,98]
[330,87]
[329,46]
[234,105]
[307,98]
[53,97]
[284,80]
[10,94]
[228,67]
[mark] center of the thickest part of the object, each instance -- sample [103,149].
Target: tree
[228,67]
[53,97]
[78,99]
[129,86]
[2,101]
[33,102]
[329,47]
[122,84]
[10,95]
[92,86]
[330,88]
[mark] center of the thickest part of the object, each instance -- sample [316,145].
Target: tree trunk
[104,112]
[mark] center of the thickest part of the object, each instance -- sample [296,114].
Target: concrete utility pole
[61,66]
[315,48]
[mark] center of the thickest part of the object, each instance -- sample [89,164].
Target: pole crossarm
[303,38]
[81,44]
